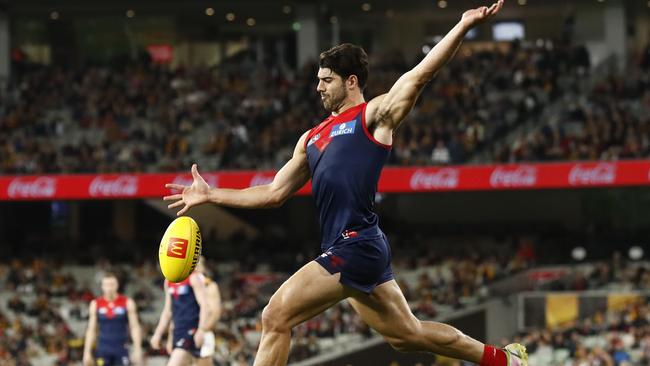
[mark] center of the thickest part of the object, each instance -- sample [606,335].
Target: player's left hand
[476,16]
[198,338]
[190,196]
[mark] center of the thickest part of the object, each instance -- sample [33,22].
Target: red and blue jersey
[185,308]
[345,161]
[113,321]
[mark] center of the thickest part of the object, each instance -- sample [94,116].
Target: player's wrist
[212,196]
[465,25]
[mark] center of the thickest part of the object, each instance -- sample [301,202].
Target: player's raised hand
[190,196]
[476,16]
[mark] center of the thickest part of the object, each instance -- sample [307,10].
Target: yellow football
[180,249]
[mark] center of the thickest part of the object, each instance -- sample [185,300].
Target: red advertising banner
[161,53]
[393,180]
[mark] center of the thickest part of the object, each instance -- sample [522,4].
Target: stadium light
[130,13]
[366,7]
[286,9]
[635,253]
[54,15]
[579,253]
[442,4]
[230,17]
[209,12]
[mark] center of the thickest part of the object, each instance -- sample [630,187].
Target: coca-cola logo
[42,187]
[121,186]
[187,180]
[446,178]
[260,180]
[521,176]
[600,174]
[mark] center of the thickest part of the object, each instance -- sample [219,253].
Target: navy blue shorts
[184,339]
[112,357]
[364,262]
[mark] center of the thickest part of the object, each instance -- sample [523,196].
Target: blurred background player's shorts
[207,350]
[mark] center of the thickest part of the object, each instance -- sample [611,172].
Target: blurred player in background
[186,305]
[213,298]
[115,315]
[344,156]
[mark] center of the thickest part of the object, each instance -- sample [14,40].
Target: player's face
[109,286]
[331,89]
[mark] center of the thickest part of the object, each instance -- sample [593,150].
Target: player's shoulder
[195,278]
[124,299]
[207,280]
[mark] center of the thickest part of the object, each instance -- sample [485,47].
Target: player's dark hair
[111,275]
[346,59]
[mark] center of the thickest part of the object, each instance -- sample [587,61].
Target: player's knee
[405,344]
[273,319]
[410,339]
[449,338]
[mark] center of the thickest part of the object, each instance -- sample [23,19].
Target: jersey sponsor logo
[177,248]
[344,128]
[313,139]
[110,311]
[177,290]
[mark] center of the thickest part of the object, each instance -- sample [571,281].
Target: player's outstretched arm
[163,323]
[213,297]
[91,333]
[293,175]
[196,281]
[388,110]
[136,332]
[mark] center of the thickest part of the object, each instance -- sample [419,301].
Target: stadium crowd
[609,123]
[616,338]
[146,117]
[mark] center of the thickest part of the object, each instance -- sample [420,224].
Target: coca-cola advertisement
[446,178]
[120,186]
[601,174]
[260,179]
[514,177]
[392,180]
[41,187]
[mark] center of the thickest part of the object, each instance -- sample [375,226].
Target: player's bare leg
[387,311]
[304,295]
[179,357]
[204,361]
